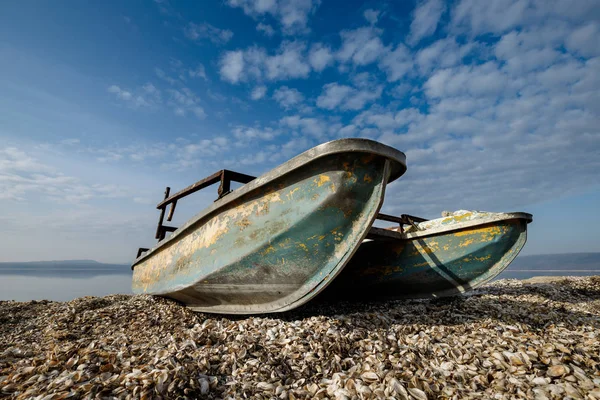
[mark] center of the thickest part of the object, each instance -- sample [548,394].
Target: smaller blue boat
[447,256]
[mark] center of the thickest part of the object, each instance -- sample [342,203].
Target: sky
[496,105]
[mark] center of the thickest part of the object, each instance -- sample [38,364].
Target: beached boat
[276,242]
[440,257]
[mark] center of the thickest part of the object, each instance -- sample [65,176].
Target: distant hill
[63,268]
[569,261]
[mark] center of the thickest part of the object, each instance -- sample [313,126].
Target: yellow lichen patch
[303,246]
[273,197]
[290,195]
[262,209]
[484,258]
[423,264]
[317,236]
[243,224]
[285,242]
[457,218]
[320,181]
[465,243]
[426,247]
[268,250]
[490,230]
[367,178]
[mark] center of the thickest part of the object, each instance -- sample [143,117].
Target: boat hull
[275,246]
[448,262]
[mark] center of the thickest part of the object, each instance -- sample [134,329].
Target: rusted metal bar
[383,234]
[413,218]
[225,186]
[201,184]
[390,218]
[224,176]
[162,215]
[228,176]
[164,229]
[403,219]
[171,210]
[140,251]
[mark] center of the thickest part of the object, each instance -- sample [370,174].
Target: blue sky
[496,105]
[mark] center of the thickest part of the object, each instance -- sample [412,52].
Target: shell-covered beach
[510,339]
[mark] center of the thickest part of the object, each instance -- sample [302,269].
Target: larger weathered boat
[450,255]
[276,242]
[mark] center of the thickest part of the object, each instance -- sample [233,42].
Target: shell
[505,340]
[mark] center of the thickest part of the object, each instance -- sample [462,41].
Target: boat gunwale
[497,217]
[352,145]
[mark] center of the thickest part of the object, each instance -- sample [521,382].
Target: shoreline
[538,337]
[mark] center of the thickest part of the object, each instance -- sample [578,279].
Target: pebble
[509,339]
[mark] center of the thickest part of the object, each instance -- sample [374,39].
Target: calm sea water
[68,285]
[60,287]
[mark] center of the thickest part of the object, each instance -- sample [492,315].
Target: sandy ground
[511,339]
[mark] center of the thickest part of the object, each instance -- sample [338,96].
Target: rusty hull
[453,258]
[276,242]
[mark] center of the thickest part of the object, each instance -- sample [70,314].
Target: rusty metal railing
[224,176]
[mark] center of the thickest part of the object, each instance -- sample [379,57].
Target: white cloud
[197,32]
[500,16]
[266,29]
[23,178]
[480,80]
[185,101]
[288,62]
[371,16]
[585,40]
[163,75]
[70,142]
[146,96]
[442,54]
[314,127]
[397,63]
[426,18]
[333,95]
[345,97]
[522,52]
[320,56]
[191,154]
[361,46]
[232,66]
[288,97]
[292,15]
[258,92]
[198,72]
[245,134]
